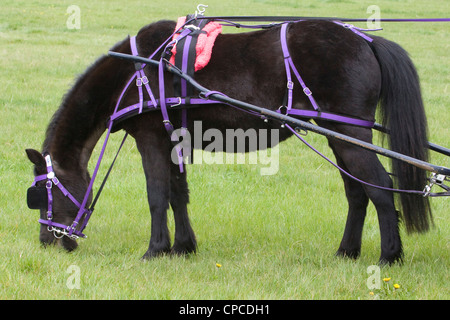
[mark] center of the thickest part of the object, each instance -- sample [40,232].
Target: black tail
[403,113]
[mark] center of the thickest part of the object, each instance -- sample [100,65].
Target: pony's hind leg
[366,166]
[357,207]
[179,198]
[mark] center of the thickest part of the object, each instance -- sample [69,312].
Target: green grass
[274,236]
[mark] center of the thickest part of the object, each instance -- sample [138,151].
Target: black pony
[348,76]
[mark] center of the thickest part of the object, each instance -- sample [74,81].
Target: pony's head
[59,195]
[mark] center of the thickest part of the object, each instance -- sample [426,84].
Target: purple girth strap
[316,113]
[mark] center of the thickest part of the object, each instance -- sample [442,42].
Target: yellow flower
[371,293]
[386,279]
[218,265]
[396,286]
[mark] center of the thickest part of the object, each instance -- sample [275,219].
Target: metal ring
[55,232]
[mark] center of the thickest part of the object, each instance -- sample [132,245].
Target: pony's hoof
[151,254]
[351,254]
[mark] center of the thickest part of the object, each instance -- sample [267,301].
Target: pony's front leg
[185,241]
[155,153]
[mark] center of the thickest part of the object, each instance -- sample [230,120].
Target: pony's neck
[81,119]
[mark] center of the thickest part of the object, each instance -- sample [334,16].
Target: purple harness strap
[356,30]
[316,113]
[141,78]
[170,102]
[289,64]
[162,97]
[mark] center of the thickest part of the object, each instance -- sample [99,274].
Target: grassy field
[272,236]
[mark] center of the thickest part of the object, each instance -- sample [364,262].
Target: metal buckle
[307,91]
[178,103]
[167,122]
[141,81]
[290,85]
[192,27]
[348,26]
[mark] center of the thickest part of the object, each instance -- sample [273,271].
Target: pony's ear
[36,158]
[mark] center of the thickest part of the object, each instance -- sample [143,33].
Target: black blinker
[37,198]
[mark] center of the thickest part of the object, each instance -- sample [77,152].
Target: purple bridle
[75,230]
[59,230]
